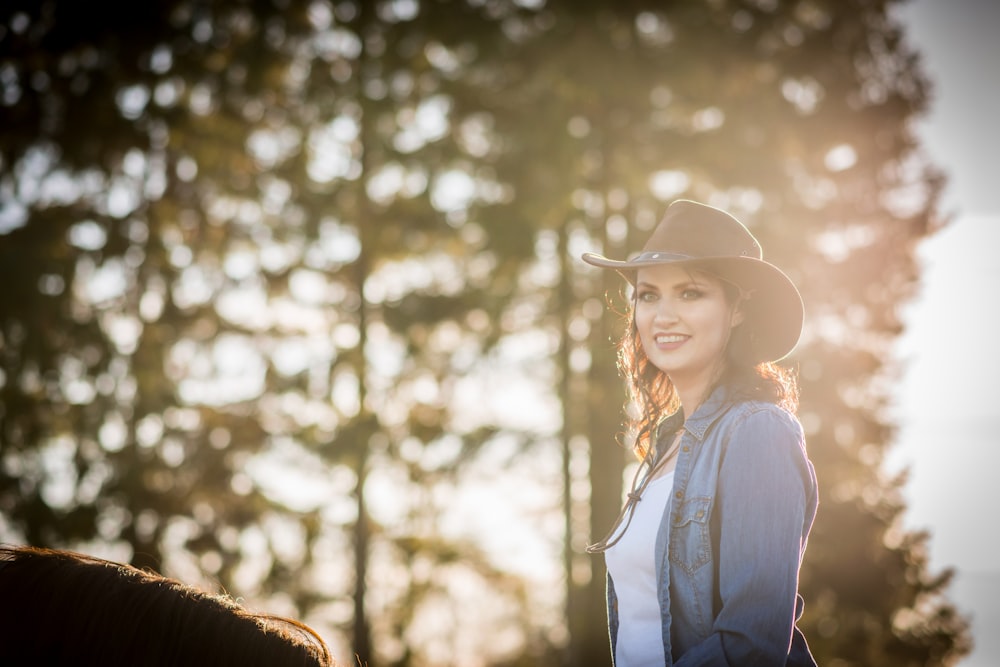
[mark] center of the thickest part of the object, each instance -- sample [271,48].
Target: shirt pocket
[690,538]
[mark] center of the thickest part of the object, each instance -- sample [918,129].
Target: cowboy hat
[708,238]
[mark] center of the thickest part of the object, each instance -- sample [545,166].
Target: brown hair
[652,395]
[64,608]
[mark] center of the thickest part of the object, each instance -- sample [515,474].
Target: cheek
[640,325]
[642,319]
[718,324]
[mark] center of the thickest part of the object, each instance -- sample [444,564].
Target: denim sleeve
[765,503]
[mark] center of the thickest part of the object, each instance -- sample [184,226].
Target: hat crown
[694,230]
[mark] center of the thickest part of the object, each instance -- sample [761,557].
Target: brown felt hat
[711,239]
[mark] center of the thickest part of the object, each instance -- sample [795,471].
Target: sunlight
[332,151]
[453,191]
[231,369]
[667,184]
[840,157]
[419,126]
[300,480]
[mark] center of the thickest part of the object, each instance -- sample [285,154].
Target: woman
[703,561]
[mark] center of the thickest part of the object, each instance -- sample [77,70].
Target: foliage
[284,279]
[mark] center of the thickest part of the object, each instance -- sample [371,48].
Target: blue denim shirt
[729,547]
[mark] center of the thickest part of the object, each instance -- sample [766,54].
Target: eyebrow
[680,285]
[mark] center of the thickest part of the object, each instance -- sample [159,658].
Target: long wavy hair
[652,396]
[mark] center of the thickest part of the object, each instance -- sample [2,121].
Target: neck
[691,399]
[693,391]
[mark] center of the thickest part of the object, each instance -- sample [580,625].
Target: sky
[948,415]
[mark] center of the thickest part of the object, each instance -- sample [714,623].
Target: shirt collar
[697,424]
[708,412]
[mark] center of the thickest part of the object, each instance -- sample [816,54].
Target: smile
[670,338]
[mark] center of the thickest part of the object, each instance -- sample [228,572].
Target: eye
[646,295]
[691,294]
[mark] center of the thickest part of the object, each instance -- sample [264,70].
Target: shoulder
[764,425]
[758,413]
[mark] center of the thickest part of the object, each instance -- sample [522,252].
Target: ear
[737,318]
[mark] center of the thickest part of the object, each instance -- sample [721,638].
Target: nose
[666,312]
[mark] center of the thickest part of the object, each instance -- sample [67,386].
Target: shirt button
[685,448]
[679,495]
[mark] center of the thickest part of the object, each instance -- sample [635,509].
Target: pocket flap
[693,510]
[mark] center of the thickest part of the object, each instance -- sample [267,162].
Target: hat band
[659,256]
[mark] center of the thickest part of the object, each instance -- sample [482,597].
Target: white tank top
[633,571]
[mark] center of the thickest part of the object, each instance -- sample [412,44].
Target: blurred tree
[275,272]
[131,377]
[238,242]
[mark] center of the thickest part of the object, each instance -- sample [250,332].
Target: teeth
[673,338]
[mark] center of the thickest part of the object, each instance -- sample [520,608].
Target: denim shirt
[729,547]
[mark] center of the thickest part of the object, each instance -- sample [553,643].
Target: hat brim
[774,312]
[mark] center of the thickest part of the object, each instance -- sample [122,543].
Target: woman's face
[683,319]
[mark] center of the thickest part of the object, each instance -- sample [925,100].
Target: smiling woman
[703,560]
